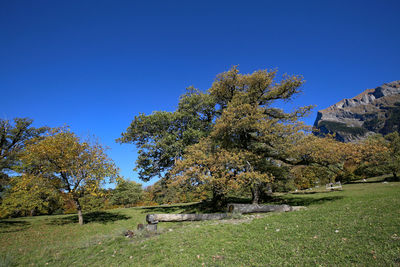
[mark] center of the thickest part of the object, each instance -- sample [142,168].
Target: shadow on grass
[375,180]
[200,207]
[96,216]
[312,192]
[13,226]
[210,207]
[367,182]
[304,201]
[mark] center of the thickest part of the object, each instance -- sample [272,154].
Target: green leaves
[30,195]
[248,137]
[227,138]
[13,138]
[126,193]
[162,137]
[78,167]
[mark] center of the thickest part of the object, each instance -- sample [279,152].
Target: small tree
[79,166]
[31,195]
[126,193]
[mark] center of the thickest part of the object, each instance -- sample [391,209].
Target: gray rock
[372,111]
[253,208]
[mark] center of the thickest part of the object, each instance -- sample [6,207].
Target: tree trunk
[155,218]
[255,192]
[79,209]
[217,198]
[395,176]
[33,212]
[269,189]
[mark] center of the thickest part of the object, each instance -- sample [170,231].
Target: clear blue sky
[94,65]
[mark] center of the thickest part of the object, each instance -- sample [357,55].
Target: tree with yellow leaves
[79,166]
[316,159]
[380,155]
[31,195]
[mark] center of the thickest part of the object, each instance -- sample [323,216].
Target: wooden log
[155,218]
[252,208]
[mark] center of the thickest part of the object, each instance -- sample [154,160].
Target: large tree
[79,166]
[14,136]
[250,138]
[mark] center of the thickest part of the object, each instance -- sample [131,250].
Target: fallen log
[155,218]
[253,208]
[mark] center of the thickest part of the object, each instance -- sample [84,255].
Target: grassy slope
[357,226]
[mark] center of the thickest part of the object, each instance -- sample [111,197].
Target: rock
[151,227]
[373,111]
[129,233]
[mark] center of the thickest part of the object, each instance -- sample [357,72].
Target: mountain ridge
[372,111]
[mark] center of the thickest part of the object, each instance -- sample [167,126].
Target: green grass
[357,226]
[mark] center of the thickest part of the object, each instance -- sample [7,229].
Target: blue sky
[94,65]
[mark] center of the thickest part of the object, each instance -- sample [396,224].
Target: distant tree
[373,156]
[14,136]
[31,195]
[95,202]
[381,155]
[126,193]
[80,167]
[154,194]
[322,160]
[393,159]
[162,137]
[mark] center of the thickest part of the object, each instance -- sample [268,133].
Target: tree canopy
[380,155]
[31,195]
[250,138]
[126,193]
[14,136]
[79,166]
[162,137]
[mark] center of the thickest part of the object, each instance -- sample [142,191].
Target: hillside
[373,111]
[354,227]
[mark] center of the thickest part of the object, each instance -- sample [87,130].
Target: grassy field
[357,226]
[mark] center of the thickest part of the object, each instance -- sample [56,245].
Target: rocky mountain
[373,111]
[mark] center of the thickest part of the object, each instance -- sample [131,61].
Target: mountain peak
[372,111]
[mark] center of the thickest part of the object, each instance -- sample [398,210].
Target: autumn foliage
[77,167]
[232,140]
